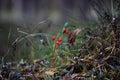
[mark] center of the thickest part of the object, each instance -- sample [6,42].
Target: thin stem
[112,8]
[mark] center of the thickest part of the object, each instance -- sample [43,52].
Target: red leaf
[72,37]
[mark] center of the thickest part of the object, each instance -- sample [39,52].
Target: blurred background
[36,16]
[57,11]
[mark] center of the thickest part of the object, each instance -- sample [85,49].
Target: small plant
[57,42]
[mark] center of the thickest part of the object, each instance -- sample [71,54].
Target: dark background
[31,16]
[34,11]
